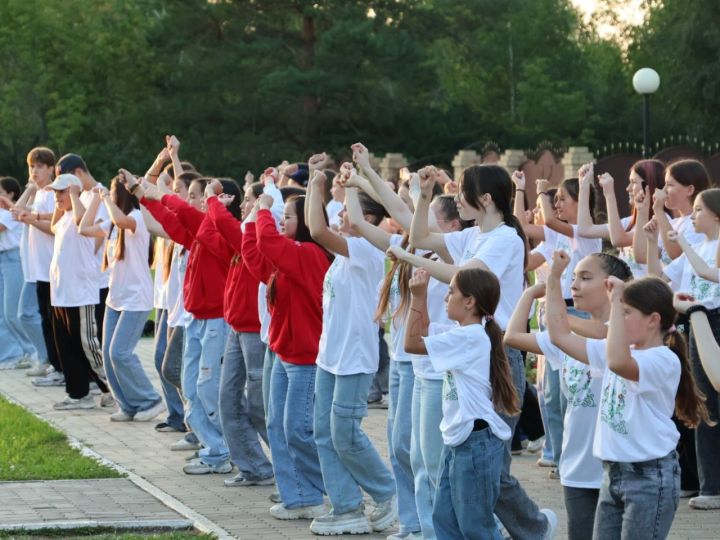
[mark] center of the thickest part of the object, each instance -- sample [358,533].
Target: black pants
[379,385]
[43,298]
[78,348]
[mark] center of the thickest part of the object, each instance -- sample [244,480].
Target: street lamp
[646,81]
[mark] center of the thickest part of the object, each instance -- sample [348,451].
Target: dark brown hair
[652,295]
[652,172]
[11,186]
[572,188]
[484,287]
[711,199]
[493,180]
[690,172]
[127,202]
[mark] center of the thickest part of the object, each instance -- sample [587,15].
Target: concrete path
[243,512]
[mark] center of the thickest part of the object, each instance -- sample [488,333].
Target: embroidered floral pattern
[578,381]
[612,404]
[449,388]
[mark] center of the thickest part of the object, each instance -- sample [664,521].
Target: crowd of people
[272,298]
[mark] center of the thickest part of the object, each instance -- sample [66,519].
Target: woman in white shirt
[580,472]
[18,349]
[129,301]
[705,219]
[645,378]
[346,364]
[477,386]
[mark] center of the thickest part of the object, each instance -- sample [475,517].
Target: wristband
[695,309]
[518,189]
[132,189]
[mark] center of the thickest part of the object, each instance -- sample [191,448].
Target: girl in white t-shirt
[645,378]
[346,365]
[129,301]
[477,386]
[580,471]
[683,274]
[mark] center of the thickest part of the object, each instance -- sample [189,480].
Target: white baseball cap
[64,181]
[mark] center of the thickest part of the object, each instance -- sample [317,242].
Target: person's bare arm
[702,269]
[516,334]
[707,345]
[418,320]
[532,231]
[619,237]
[619,359]
[642,211]
[546,205]
[664,226]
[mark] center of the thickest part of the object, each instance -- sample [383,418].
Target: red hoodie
[300,269]
[241,291]
[209,258]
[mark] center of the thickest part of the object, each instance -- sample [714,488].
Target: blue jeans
[426,446]
[516,510]
[268,363]
[638,501]
[349,460]
[29,315]
[290,431]
[241,406]
[171,395]
[399,433]
[555,405]
[204,345]
[125,375]
[11,332]
[469,488]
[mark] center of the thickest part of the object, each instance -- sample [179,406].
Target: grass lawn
[94,535]
[30,449]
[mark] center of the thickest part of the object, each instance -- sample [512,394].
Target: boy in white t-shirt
[74,294]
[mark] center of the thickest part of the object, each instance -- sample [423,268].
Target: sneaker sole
[358,526]
[75,408]
[385,523]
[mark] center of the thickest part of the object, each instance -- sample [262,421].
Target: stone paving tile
[70,500]
[243,511]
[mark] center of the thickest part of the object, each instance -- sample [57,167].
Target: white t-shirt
[74,267]
[131,287]
[264,313]
[177,316]
[626,253]
[635,422]
[579,468]
[333,210]
[102,278]
[578,247]
[545,248]
[36,261]
[503,252]
[10,237]
[685,279]
[463,353]
[349,340]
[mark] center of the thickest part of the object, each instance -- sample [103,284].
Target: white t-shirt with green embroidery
[627,254]
[579,468]
[463,353]
[635,422]
[685,279]
[349,341]
[577,247]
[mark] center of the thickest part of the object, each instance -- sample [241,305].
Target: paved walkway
[105,502]
[243,512]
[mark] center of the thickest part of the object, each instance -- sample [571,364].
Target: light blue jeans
[171,395]
[241,406]
[268,363]
[469,488]
[426,446]
[12,332]
[555,404]
[399,434]
[204,345]
[125,375]
[290,431]
[29,315]
[349,460]
[638,500]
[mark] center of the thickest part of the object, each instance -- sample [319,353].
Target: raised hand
[585,174]
[684,301]
[318,180]
[317,162]
[607,183]
[270,174]
[659,199]
[560,261]
[615,287]
[442,177]
[225,199]
[427,180]
[361,156]
[127,178]
[542,185]
[536,291]
[518,178]
[249,178]
[395,253]
[673,236]
[418,283]
[641,199]
[172,144]
[265,201]
[214,187]
[6,203]
[75,190]
[652,231]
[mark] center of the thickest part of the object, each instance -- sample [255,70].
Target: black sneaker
[165,427]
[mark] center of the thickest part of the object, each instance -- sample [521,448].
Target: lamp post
[646,81]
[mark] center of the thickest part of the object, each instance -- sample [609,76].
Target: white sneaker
[69,403]
[38,370]
[353,522]
[402,536]
[120,416]
[545,462]
[183,444]
[152,412]
[95,389]
[279,511]
[384,514]
[11,364]
[24,362]
[552,523]
[705,502]
[535,446]
[200,467]
[53,378]
[107,400]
